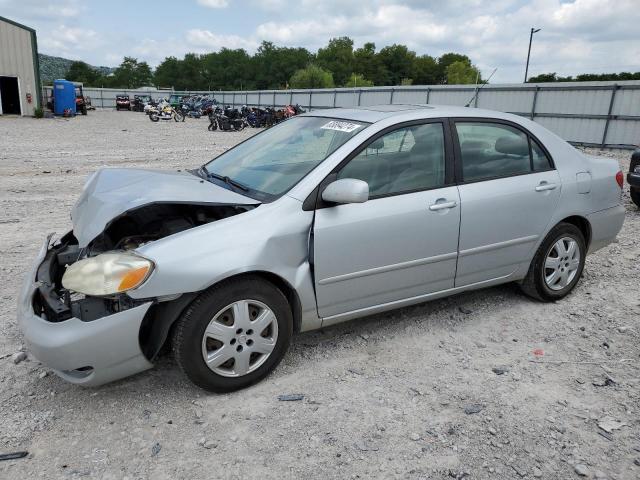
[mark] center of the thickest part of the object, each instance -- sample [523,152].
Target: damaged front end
[127,232]
[90,338]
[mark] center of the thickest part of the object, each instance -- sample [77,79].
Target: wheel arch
[160,318]
[582,224]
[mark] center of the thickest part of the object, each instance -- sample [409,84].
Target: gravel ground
[389,396]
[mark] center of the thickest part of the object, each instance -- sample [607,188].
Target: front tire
[557,266]
[233,335]
[154,117]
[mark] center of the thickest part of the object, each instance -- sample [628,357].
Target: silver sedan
[329,216]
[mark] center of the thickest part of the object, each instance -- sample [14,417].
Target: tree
[228,70]
[337,57]
[460,73]
[273,66]
[398,61]
[130,74]
[425,71]
[447,59]
[312,76]
[358,80]
[167,73]
[544,77]
[82,72]
[368,64]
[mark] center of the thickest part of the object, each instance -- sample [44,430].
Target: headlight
[107,274]
[636,169]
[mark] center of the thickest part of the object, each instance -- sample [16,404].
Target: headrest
[512,146]
[377,144]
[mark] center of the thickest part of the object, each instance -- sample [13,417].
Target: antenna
[478,89]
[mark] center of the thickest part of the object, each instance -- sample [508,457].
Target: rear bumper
[633,179]
[88,353]
[605,225]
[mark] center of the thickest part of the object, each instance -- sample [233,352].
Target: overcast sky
[577,36]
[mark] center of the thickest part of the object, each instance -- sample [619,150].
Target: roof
[375,113]
[16,24]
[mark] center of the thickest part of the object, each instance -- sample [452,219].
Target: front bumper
[88,353]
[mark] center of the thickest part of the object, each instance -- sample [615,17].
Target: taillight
[620,178]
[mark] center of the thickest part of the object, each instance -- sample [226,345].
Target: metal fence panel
[620,131]
[627,102]
[410,96]
[506,100]
[347,98]
[600,113]
[375,97]
[579,130]
[594,102]
[450,97]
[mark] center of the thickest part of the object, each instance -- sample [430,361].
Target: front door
[402,242]
[508,192]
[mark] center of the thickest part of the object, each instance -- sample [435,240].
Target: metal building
[19,69]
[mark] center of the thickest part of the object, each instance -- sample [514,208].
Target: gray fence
[605,114]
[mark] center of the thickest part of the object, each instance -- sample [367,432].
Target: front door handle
[442,204]
[544,186]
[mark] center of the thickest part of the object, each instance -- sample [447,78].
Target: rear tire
[154,117]
[635,196]
[558,264]
[210,328]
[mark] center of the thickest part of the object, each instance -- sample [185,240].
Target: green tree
[273,66]
[312,76]
[337,57]
[358,80]
[398,61]
[425,71]
[447,59]
[460,73]
[228,70]
[167,73]
[368,63]
[544,77]
[82,72]
[130,74]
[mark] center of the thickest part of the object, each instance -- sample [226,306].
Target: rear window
[492,150]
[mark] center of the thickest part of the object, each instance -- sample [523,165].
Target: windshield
[272,162]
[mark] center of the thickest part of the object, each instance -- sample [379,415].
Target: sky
[576,36]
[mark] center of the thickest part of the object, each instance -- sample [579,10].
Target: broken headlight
[107,274]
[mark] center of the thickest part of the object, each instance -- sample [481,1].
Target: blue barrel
[64,96]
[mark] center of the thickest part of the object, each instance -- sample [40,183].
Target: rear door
[509,190]
[402,242]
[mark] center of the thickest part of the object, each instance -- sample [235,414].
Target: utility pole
[526,70]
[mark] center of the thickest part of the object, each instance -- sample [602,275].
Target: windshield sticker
[341,126]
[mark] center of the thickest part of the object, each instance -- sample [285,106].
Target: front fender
[272,238]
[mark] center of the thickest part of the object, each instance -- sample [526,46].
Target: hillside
[57,67]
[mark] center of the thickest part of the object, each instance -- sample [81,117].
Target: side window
[492,150]
[407,159]
[538,158]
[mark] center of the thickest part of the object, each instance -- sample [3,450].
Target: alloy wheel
[562,263]
[240,338]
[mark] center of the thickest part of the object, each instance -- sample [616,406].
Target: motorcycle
[165,112]
[227,119]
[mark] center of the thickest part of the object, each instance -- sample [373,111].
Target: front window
[272,162]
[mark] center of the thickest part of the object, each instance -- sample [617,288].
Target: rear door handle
[544,186]
[441,205]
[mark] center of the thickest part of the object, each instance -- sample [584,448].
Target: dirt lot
[384,397]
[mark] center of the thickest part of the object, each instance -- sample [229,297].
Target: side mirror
[346,190]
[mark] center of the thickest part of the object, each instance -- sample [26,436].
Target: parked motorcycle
[165,112]
[227,119]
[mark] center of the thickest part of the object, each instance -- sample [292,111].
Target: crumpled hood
[110,192]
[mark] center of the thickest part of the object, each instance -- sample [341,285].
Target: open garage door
[10,96]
